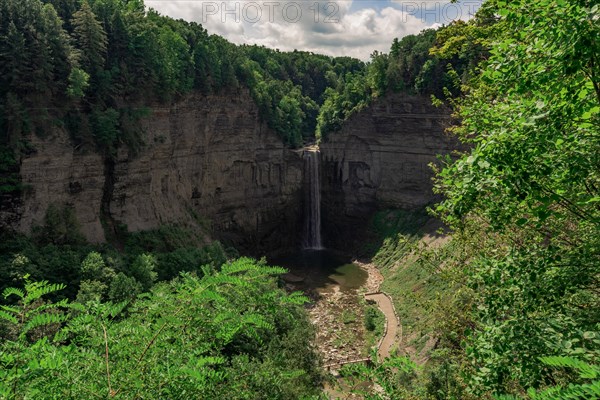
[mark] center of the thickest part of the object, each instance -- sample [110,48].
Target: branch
[110,391]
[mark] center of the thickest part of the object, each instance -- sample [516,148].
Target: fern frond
[78,325]
[13,291]
[8,317]
[205,375]
[41,320]
[49,306]
[240,265]
[224,316]
[575,392]
[220,280]
[591,390]
[249,267]
[37,290]
[76,307]
[585,370]
[296,298]
[13,310]
[203,361]
[210,295]
[256,320]
[273,270]
[114,310]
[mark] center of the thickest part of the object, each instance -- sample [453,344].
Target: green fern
[586,371]
[40,320]
[31,311]
[8,317]
[36,290]
[202,372]
[218,336]
[583,391]
[13,291]
[296,298]
[574,391]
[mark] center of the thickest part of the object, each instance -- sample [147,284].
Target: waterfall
[312,215]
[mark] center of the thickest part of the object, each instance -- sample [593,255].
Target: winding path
[392,324]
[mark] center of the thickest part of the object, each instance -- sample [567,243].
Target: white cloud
[439,12]
[328,27]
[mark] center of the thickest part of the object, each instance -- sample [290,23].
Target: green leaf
[13,291]
[8,317]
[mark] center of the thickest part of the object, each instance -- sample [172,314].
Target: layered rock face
[209,160]
[206,159]
[380,159]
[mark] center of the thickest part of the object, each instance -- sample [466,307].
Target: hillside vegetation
[511,301]
[228,334]
[517,313]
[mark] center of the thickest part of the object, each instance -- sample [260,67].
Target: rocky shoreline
[339,320]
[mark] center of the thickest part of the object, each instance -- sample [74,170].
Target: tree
[65,9]
[93,267]
[78,83]
[90,39]
[143,270]
[15,64]
[531,178]
[105,126]
[124,287]
[376,76]
[60,52]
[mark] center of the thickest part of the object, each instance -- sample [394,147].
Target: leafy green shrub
[393,376]
[31,318]
[374,318]
[142,270]
[586,385]
[230,334]
[91,291]
[124,287]
[60,227]
[529,181]
[105,127]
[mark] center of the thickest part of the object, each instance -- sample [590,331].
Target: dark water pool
[321,270]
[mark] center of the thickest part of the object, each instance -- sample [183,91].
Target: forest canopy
[519,316]
[79,64]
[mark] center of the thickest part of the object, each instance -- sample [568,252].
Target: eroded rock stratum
[380,159]
[210,161]
[205,160]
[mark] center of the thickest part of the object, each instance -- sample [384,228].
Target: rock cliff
[209,160]
[380,159]
[206,159]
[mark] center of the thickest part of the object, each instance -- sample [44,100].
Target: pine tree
[13,57]
[65,10]
[60,52]
[395,51]
[90,39]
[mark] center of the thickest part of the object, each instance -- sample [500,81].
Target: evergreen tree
[59,51]
[90,38]
[65,10]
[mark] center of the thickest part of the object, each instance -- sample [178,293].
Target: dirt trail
[384,302]
[392,324]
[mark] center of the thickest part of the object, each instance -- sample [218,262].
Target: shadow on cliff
[396,229]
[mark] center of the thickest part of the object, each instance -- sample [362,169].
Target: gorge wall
[380,159]
[209,160]
[205,159]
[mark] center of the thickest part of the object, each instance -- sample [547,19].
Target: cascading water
[312,214]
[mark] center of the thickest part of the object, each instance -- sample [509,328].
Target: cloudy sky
[335,27]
